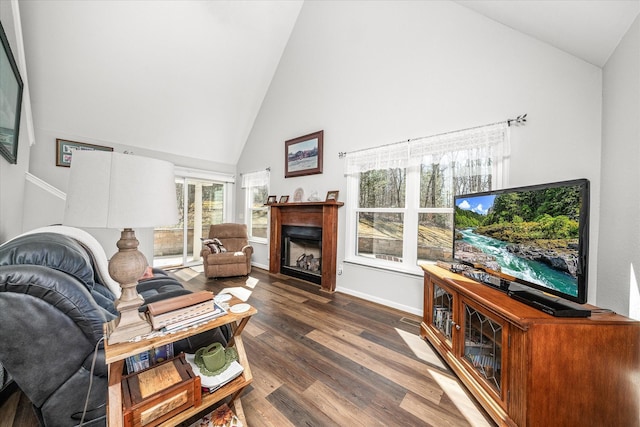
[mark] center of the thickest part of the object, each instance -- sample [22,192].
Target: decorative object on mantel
[10,102]
[284,199]
[271,200]
[298,194]
[65,150]
[120,191]
[303,155]
[314,197]
[332,196]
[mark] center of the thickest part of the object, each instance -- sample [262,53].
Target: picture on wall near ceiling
[65,149]
[303,155]
[10,101]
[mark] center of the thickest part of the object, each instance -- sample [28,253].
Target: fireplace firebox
[302,252]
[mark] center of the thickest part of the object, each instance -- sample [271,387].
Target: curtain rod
[520,120]
[268,169]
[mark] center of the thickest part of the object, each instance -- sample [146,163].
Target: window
[400,196]
[256,185]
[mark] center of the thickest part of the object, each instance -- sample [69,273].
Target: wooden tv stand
[527,368]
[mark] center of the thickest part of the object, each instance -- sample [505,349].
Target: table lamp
[122,191]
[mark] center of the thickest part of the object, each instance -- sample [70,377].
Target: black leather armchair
[52,310]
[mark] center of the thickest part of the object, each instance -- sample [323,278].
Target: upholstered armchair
[232,257]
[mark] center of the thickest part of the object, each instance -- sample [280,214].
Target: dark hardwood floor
[323,359]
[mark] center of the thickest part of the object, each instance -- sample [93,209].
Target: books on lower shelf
[146,359]
[184,311]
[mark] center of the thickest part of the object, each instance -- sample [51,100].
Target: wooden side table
[116,354]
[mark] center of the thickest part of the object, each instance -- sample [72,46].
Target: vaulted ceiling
[188,77]
[589,29]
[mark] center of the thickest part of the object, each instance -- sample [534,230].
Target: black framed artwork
[11,88]
[65,149]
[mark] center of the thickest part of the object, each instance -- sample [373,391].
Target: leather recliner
[52,309]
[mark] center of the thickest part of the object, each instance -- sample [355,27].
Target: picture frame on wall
[10,101]
[65,149]
[332,196]
[303,155]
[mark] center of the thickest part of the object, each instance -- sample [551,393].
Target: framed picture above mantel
[303,155]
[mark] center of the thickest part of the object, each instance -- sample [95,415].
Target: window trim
[248,210]
[406,266]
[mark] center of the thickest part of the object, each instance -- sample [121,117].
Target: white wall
[619,249]
[43,166]
[12,176]
[372,73]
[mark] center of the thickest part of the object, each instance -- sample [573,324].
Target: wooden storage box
[156,394]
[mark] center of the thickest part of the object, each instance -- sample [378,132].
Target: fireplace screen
[302,252]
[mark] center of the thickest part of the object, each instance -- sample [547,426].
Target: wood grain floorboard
[340,410]
[295,407]
[321,359]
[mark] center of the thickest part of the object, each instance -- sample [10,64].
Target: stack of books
[184,311]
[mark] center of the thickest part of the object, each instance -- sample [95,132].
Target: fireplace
[303,241]
[301,254]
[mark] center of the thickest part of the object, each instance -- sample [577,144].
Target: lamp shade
[115,190]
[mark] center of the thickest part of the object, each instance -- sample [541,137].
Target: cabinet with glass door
[523,365]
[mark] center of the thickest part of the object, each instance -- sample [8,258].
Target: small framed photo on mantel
[284,199]
[271,200]
[332,196]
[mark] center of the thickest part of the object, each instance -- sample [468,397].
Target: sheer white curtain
[467,156]
[385,157]
[482,150]
[255,179]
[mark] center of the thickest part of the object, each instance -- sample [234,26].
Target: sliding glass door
[201,202]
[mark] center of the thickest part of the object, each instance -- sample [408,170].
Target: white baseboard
[258,265]
[392,304]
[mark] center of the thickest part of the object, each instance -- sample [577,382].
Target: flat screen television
[536,236]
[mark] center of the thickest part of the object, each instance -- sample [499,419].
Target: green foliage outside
[383,188]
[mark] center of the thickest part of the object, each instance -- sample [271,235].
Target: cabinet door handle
[456,325]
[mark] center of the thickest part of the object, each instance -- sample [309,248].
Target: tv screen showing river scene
[537,235]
